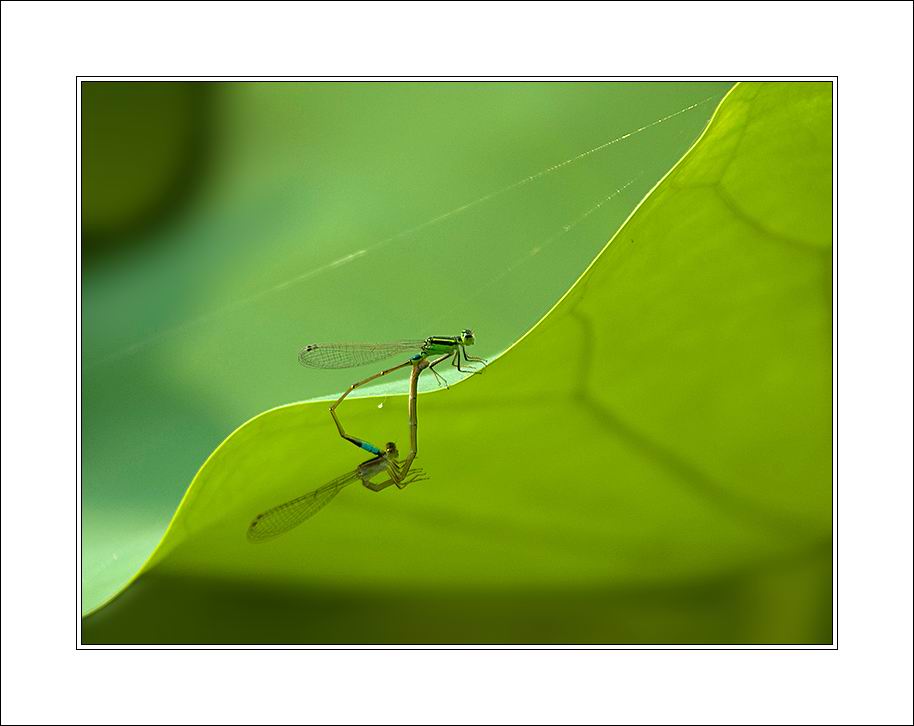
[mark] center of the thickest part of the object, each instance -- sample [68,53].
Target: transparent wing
[282,518]
[350,355]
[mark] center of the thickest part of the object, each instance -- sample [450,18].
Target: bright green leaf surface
[234,224]
[650,464]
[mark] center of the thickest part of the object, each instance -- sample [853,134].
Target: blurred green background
[225,225]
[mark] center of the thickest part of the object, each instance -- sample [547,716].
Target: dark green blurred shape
[650,464]
[318,211]
[144,150]
[782,603]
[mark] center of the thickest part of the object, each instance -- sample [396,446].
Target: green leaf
[651,463]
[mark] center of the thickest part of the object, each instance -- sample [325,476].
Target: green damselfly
[350,355]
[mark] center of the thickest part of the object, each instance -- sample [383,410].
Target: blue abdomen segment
[371,448]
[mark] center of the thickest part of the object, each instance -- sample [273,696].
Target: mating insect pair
[430,353]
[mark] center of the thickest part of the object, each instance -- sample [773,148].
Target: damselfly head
[467,337]
[390,449]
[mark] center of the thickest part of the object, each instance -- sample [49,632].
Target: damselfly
[280,519]
[350,355]
[284,517]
